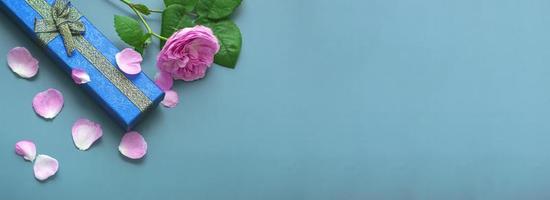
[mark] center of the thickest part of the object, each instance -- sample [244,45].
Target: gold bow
[63,19]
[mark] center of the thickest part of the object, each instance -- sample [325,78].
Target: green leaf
[130,31]
[217,9]
[230,39]
[143,9]
[203,21]
[185,21]
[170,2]
[174,17]
[189,5]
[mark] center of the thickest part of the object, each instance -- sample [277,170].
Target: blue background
[373,99]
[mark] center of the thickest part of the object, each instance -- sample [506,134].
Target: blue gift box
[125,97]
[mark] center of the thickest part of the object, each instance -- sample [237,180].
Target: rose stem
[149,30]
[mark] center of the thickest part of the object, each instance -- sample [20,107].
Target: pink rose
[188,53]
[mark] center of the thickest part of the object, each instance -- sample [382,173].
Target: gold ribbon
[65,20]
[94,56]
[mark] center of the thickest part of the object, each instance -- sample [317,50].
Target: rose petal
[22,62]
[85,133]
[80,76]
[48,103]
[26,148]
[171,99]
[164,80]
[44,167]
[133,145]
[129,61]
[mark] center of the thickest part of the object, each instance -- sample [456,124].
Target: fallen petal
[85,133]
[48,103]
[80,76]
[22,62]
[164,80]
[27,149]
[45,167]
[133,145]
[129,61]
[171,99]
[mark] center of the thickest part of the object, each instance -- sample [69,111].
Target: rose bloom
[188,53]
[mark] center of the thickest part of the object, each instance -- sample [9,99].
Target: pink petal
[129,61]
[44,167]
[164,80]
[48,103]
[26,148]
[171,99]
[85,133]
[80,76]
[133,145]
[22,62]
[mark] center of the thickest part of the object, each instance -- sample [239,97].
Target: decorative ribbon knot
[64,20]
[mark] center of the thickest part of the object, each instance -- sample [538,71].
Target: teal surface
[372,99]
